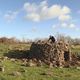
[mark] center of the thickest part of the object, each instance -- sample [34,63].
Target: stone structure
[57,52]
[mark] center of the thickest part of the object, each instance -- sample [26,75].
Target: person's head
[52,38]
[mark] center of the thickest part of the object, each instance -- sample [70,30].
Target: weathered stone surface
[55,52]
[15,73]
[2,69]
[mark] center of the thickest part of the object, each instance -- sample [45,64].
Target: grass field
[76,49]
[15,70]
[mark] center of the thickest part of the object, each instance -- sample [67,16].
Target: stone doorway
[66,56]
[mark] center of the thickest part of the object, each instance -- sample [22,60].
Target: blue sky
[39,18]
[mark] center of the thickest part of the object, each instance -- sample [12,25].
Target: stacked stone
[51,52]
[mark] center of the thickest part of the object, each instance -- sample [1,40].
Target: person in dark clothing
[52,38]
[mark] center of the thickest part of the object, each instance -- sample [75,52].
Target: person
[51,38]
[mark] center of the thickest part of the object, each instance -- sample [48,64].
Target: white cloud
[64,17]
[33,16]
[65,10]
[30,7]
[68,25]
[42,11]
[10,16]
[72,25]
[64,25]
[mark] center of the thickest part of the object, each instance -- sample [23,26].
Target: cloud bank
[10,16]
[42,11]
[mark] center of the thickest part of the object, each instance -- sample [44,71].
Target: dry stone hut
[57,52]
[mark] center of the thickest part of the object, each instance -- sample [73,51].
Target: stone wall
[47,51]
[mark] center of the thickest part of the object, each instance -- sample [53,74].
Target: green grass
[38,73]
[34,73]
[76,49]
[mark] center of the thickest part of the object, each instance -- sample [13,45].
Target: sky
[33,19]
